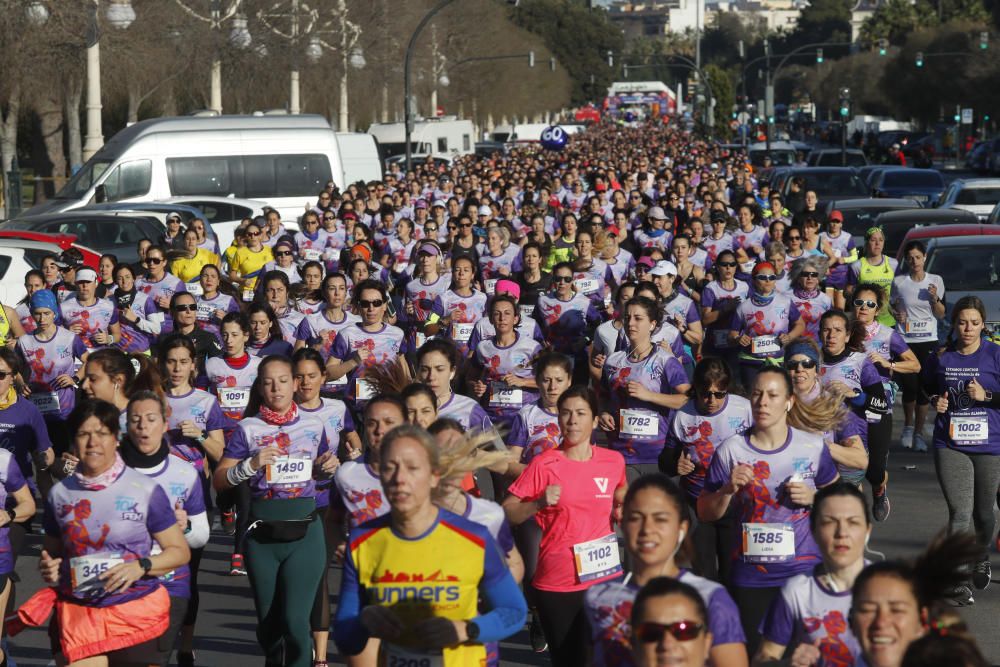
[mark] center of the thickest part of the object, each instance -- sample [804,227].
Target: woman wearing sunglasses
[655,522]
[962,381]
[839,246]
[638,386]
[157,284]
[822,409]
[567,318]
[769,474]
[711,415]
[764,323]
[718,240]
[312,240]
[719,300]
[670,623]
[248,262]
[813,609]
[811,302]
[420,292]
[284,261]
[874,268]
[890,354]
[365,344]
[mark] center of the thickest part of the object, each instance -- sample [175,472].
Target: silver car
[968,265]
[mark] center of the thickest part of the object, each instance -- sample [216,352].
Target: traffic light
[920,58]
[957,117]
[883,46]
[845,103]
[984,40]
[986,118]
[819,55]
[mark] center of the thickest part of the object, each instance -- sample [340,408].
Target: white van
[446,135]
[281,160]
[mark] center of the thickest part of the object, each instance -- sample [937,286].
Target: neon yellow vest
[882,276]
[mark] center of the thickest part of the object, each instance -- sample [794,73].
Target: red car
[64,241]
[938,231]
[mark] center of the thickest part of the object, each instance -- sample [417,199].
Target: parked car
[17,257]
[978,195]
[867,172]
[102,232]
[832,157]
[895,224]
[968,265]
[978,158]
[224,214]
[828,182]
[150,209]
[921,185]
[860,214]
[782,153]
[64,241]
[925,234]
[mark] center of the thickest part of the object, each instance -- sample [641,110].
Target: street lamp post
[239,37]
[351,55]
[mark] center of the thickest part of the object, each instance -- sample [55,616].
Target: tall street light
[120,14]
[347,48]
[239,36]
[302,20]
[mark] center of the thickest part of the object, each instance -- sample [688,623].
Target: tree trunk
[50,116]
[134,101]
[74,93]
[168,106]
[8,138]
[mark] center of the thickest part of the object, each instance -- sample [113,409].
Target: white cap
[663,268]
[86,276]
[485,210]
[439,202]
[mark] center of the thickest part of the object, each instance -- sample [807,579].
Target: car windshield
[857,220]
[913,178]
[78,186]
[832,184]
[978,196]
[973,267]
[779,157]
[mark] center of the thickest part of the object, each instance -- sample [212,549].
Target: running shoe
[538,642]
[981,574]
[919,444]
[236,567]
[880,505]
[906,439]
[229,522]
[961,596]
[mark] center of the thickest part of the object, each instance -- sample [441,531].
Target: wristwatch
[471,630]
[146,565]
[12,514]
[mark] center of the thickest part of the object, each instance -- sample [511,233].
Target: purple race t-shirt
[968,426]
[203,409]
[11,480]
[700,434]
[48,359]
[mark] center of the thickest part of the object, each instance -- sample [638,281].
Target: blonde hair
[824,413]
[467,453]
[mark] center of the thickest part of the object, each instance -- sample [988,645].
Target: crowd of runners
[620,394]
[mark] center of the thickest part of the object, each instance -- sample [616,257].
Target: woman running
[705,421]
[275,289]
[719,300]
[138,329]
[665,608]
[265,332]
[962,381]
[592,277]
[437,363]
[770,474]
[567,318]
[874,268]
[280,452]
[811,302]
[157,284]
[310,297]
[405,546]
[578,547]
[458,308]
[248,262]
[655,522]
[215,301]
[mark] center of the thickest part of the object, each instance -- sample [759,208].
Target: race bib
[837,252]
[401,267]
[597,559]
[420,339]
[747,267]
[334,385]
[234,397]
[248,295]
[639,423]
[490,285]
[920,328]
[462,331]
[205,311]
[765,345]
[502,394]
[768,542]
[46,402]
[969,430]
[289,470]
[526,311]
[312,254]
[364,390]
[85,570]
[587,285]
[194,288]
[397,656]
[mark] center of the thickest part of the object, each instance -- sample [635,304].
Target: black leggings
[909,383]
[564,622]
[528,539]
[319,619]
[879,434]
[753,604]
[237,498]
[191,615]
[714,544]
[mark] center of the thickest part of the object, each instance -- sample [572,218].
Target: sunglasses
[563,279]
[329,217]
[283,253]
[866,303]
[809,274]
[717,395]
[807,364]
[253,233]
[794,238]
[768,278]
[6,374]
[188,307]
[682,631]
[155,260]
[728,265]
[465,225]
[430,229]
[365,303]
